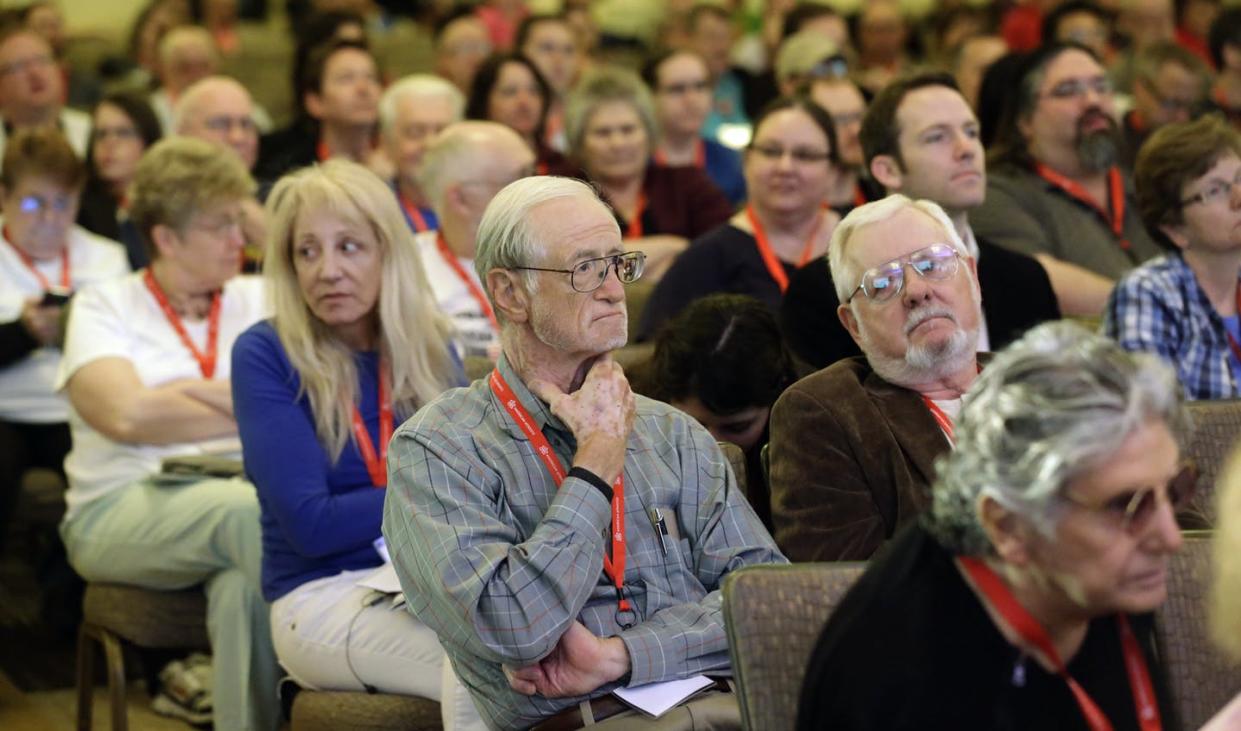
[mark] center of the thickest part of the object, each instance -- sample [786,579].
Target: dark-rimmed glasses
[588,275]
[936,262]
[1132,511]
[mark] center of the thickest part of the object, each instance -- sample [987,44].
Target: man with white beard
[853,446]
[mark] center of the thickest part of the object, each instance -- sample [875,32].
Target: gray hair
[1049,408]
[843,274]
[455,155]
[598,87]
[506,238]
[418,86]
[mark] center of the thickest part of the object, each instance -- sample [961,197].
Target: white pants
[330,636]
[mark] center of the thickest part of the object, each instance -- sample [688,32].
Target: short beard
[1098,151]
[923,363]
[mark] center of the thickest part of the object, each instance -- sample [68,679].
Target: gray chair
[1200,678]
[1217,429]
[315,710]
[117,613]
[774,615]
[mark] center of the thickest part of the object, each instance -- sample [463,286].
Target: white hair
[844,275]
[418,87]
[506,236]
[454,156]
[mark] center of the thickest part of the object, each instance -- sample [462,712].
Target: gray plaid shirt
[498,561]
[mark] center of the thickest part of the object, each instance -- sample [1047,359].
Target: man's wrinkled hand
[600,414]
[580,664]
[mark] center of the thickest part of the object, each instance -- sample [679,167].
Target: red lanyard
[859,197]
[941,418]
[774,267]
[1115,191]
[412,214]
[376,464]
[1030,631]
[700,155]
[64,265]
[614,565]
[634,230]
[321,151]
[475,291]
[206,361]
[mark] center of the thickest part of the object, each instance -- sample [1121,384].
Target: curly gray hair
[1049,408]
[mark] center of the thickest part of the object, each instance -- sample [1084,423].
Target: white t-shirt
[26,393]
[74,124]
[474,334]
[121,318]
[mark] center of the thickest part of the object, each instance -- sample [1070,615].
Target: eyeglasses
[1132,511]
[1076,88]
[685,87]
[802,155]
[14,67]
[220,226]
[833,67]
[936,262]
[123,134]
[1216,190]
[588,275]
[224,124]
[38,204]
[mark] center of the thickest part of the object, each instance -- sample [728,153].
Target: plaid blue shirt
[498,561]
[1160,308]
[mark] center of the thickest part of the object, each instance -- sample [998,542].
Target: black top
[725,259]
[1016,296]
[284,150]
[911,647]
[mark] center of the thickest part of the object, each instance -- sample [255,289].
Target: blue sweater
[318,518]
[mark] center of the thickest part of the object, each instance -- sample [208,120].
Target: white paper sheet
[655,699]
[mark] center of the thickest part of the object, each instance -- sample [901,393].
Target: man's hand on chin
[580,663]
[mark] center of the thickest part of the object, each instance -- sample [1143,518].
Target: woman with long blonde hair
[355,346]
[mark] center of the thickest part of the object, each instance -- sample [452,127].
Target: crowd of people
[243,342]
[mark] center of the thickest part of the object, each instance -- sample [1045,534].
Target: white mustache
[926,312]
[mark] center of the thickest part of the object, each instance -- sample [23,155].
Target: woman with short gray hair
[610,124]
[1032,579]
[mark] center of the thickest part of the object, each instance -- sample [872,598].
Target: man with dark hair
[340,93]
[711,35]
[1057,191]
[1082,22]
[549,42]
[920,138]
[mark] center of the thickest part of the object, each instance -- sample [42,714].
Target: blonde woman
[355,346]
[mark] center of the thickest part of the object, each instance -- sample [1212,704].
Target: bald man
[218,109]
[462,170]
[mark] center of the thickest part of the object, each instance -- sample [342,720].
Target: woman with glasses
[1183,306]
[123,127]
[355,346]
[790,166]
[610,123]
[43,259]
[1032,580]
[146,367]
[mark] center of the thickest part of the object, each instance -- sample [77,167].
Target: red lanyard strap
[65,282]
[206,361]
[414,216]
[1116,195]
[475,291]
[774,267]
[614,565]
[376,461]
[1032,632]
[941,418]
[634,229]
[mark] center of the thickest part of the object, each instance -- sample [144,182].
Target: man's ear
[164,237]
[509,295]
[454,199]
[1006,531]
[1175,234]
[887,172]
[849,320]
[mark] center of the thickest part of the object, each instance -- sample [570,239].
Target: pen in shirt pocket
[661,530]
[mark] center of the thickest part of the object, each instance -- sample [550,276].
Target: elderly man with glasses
[853,446]
[564,537]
